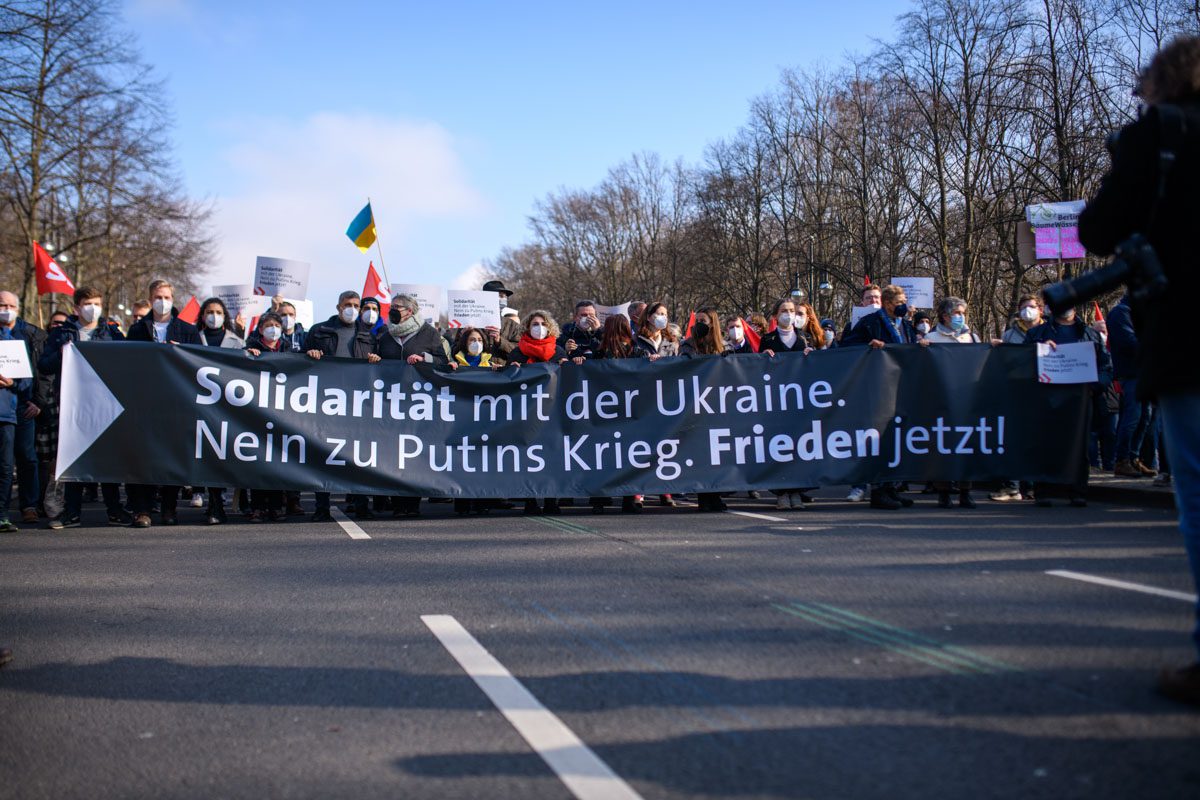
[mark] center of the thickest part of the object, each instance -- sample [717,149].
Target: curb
[1127,495]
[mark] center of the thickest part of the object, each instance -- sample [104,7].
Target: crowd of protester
[1125,433]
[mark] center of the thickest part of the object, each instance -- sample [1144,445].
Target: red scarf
[537,349]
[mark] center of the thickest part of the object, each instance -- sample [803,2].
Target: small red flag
[1099,313]
[691,322]
[374,286]
[866,280]
[191,311]
[50,277]
[751,335]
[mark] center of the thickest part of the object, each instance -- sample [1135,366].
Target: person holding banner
[14,395]
[25,449]
[509,335]
[1066,328]
[655,338]
[293,331]
[1029,316]
[869,296]
[616,341]
[538,345]
[162,325]
[735,336]
[792,330]
[470,350]
[217,328]
[87,325]
[580,338]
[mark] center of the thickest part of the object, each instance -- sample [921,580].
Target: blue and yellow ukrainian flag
[362,229]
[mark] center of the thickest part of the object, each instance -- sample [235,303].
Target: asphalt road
[836,652]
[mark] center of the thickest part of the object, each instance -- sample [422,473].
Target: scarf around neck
[537,349]
[404,329]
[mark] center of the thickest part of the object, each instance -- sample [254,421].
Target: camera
[1135,264]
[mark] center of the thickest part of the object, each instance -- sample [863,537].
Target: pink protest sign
[1053,243]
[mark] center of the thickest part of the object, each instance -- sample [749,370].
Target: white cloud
[472,277]
[300,184]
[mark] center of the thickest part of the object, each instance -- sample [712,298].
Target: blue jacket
[1058,333]
[51,361]
[1123,341]
[875,326]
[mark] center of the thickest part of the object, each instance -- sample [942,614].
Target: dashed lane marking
[1115,584]
[351,528]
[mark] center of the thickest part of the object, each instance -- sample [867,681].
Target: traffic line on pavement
[585,775]
[349,526]
[562,524]
[752,515]
[1115,584]
[956,660]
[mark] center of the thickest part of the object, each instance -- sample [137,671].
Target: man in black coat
[580,337]
[888,325]
[1129,202]
[406,338]
[162,324]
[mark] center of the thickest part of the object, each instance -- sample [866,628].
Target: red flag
[1099,313]
[191,311]
[50,277]
[374,286]
[866,280]
[751,335]
[691,322]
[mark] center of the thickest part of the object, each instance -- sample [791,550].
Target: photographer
[1154,189]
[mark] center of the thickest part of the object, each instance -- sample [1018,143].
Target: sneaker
[781,503]
[666,500]
[141,521]
[55,524]
[29,515]
[197,500]
[122,518]
[69,522]
[857,495]
[321,515]
[753,494]
[1182,685]
[1163,479]
[883,500]
[7,527]
[1004,495]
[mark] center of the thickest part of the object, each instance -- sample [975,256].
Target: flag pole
[379,249]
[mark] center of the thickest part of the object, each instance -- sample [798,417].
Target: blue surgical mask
[958,322]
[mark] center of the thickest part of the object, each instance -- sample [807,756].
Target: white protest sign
[274,276]
[1070,363]
[1054,215]
[237,297]
[858,312]
[427,294]
[919,291]
[472,309]
[14,360]
[261,305]
[604,312]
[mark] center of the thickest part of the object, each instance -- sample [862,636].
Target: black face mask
[700,330]
[900,311]
[394,316]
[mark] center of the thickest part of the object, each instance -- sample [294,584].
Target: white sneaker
[197,500]
[781,503]
[795,501]
[856,495]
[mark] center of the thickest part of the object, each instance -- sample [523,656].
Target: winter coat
[1122,206]
[588,341]
[687,348]
[323,337]
[877,326]
[177,330]
[35,344]
[943,335]
[1015,332]
[50,364]
[664,348]
[1123,341]
[773,341]
[1077,331]
[426,341]
[231,341]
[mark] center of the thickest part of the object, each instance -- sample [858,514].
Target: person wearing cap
[508,337]
[829,331]
[923,323]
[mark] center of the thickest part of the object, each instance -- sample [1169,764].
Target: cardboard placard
[283,276]
[474,309]
[14,360]
[1069,363]
[919,291]
[428,295]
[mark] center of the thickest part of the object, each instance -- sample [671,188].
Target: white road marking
[585,775]
[752,515]
[350,527]
[1133,587]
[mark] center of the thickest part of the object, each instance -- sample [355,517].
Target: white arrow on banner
[87,408]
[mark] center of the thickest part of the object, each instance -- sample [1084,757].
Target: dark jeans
[8,434]
[1101,443]
[73,499]
[1181,430]
[25,452]
[1130,427]
[266,499]
[141,497]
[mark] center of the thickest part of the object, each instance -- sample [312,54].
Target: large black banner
[151,413]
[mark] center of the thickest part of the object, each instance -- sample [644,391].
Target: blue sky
[454,117]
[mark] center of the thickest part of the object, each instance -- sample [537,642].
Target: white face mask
[801,321]
[736,333]
[349,315]
[289,321]
[784,320]
[1029,314]
[163,306]
[474,347]
[7,315]
[876,303]
[923,327]
[828,337]
[89,313]
[660,321]
[538,331]
[503,301]
[214,321]
[272,334]
[370,316]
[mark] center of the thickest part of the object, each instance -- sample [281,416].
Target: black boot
[883,500]
[943,499]
[965,501]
